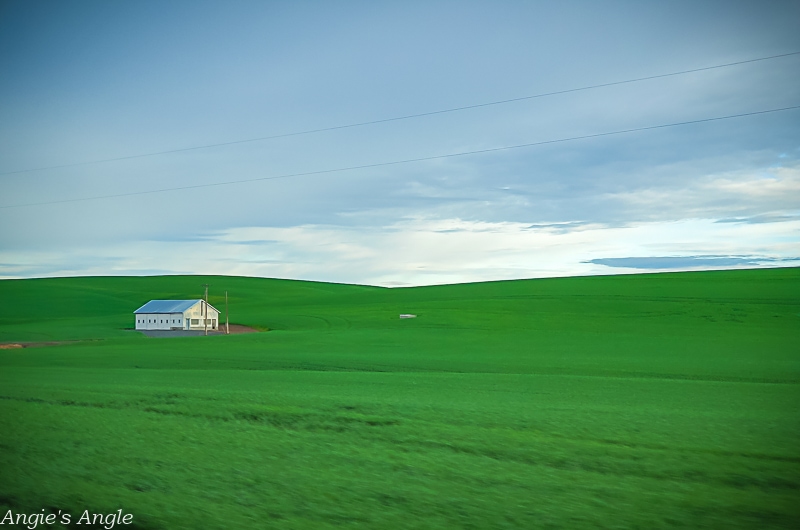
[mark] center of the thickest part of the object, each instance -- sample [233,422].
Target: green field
[646,401]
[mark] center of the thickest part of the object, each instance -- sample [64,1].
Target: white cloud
[746,192]
[780,183]
[422,251]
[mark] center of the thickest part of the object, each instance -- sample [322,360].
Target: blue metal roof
[167,306]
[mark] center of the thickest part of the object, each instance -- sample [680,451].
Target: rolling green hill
[659,400]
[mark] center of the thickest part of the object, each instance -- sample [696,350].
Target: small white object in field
[406,315]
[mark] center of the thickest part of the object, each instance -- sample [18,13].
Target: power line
[405,161]
[399,118]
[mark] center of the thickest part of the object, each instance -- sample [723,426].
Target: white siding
[159,321]
[195,316]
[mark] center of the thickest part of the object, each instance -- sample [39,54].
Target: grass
[646,401]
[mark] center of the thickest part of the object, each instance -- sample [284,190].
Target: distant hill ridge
[102,307]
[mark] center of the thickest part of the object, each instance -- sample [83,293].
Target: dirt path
[17,345]
[236,329]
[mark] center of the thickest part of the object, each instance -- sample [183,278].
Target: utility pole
[205,316]
[227,325]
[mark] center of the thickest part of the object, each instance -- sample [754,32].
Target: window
[195,321]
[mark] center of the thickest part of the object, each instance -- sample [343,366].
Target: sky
[146,137]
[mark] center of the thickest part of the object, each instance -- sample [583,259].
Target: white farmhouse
[177,315]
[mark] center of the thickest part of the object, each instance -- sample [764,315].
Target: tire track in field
[293,420]
[380,428]
[328,323]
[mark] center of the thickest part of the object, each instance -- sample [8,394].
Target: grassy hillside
[622,401]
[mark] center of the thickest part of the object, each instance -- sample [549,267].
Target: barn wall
[159,320]
[195,316]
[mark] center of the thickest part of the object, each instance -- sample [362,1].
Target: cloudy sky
[214,92]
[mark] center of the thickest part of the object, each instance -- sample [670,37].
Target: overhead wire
[399,118]
[404,161]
